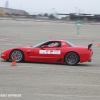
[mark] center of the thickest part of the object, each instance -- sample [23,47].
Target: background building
[80,16]
[9,11]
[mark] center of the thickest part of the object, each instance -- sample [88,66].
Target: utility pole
[79,14]
[6,4]
[53,11]
[76,10]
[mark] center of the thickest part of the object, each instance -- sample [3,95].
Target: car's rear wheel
[72,58]
[17,55]
[7,60]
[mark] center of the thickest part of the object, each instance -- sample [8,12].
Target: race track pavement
[41,81]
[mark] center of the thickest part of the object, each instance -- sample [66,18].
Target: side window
[46,44]
[59,45]
[49,44]
[54,44]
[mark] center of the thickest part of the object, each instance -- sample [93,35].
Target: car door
[47,54]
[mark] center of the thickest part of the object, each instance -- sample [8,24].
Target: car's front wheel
[72,58]
[16,55]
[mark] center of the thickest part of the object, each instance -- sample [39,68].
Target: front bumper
[4,56]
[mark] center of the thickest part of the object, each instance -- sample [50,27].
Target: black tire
[7,60]
[72,58]
[17,55]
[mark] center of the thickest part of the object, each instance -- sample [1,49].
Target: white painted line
[83,70]
[4,65]
[5,29]
[75,76]
[16,65]
[65,95]
[86,85]
[68,69]
[4,39]
[78,35]
[23,66]
[11,44]
[17,44]
[71,69]
[34,67]
[8,44]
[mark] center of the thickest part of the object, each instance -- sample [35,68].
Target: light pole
[82,11]
[76,10]
[79,14]
[53,10]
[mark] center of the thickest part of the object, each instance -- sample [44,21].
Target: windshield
[38,45]
[70,44]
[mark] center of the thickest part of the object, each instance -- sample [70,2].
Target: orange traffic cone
[98,44]
[84,38]
[7,39]
[92,40]
[14,62]
[50,37]
[14,36]
[18,34]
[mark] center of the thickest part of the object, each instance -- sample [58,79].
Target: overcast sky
[50,6]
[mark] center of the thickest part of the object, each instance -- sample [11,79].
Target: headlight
[3,54]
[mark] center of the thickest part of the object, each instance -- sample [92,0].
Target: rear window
[70,44]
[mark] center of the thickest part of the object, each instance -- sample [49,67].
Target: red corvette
[57,51]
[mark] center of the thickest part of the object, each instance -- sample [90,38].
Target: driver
[56,44]
[53,44]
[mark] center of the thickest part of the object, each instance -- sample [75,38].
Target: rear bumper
[86,57]
[90,58]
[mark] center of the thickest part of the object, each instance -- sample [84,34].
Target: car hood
[20,47]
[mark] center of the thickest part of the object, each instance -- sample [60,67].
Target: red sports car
[53,51]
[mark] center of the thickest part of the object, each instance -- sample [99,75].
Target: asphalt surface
[40,81]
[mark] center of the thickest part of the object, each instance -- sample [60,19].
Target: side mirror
[44,46]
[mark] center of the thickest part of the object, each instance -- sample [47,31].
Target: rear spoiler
[89,46]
